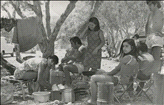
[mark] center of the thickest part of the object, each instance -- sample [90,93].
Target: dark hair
[54,58]
[136,35]
[96,22]
[76,39]
[133,52]
[142,47]
[154,3]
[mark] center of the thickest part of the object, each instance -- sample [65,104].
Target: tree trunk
[48,46]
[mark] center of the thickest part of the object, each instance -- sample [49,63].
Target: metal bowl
[41,96]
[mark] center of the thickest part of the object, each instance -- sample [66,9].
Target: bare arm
[115,70]
[146,27]
[77,55]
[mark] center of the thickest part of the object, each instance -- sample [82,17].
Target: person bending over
[44,72]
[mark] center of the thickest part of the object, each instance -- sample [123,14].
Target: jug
[56,77]
[68,95]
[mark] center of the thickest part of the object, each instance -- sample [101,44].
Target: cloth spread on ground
[27,33]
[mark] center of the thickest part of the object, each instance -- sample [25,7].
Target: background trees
[118,20]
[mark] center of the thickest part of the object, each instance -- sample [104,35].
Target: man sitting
[77,59]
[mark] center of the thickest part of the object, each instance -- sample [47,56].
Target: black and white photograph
[82,52]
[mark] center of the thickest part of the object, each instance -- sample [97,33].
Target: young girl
[95,40]
[127,67]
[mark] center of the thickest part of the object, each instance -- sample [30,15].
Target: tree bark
[48,18]
[50,44]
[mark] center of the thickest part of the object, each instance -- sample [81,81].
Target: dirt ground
[107,64]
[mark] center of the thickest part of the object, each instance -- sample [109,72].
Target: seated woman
[39,69]
[77,58]
[145,65]
[127,67]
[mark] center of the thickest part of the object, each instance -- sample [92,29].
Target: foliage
[122,19]
[118,20]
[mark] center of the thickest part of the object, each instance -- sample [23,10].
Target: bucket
[105,93]
[68,95]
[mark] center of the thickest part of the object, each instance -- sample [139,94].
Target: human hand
[63,60]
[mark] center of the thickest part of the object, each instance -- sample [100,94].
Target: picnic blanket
[27,33]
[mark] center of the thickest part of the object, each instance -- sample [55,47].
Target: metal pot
[68,95]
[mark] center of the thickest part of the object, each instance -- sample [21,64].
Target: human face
[50,62]
[151,6]
[126,47]
[73,45]
[92,25]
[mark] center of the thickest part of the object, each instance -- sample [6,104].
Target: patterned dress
[92,61]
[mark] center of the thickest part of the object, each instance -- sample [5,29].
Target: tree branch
[39,10]
[17,9]
[34,8]
[63,17]
[48,18]
[6,11]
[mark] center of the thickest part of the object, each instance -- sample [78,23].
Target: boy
[77,58]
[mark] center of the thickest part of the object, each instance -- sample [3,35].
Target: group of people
[82,57]
[134,58]
[138,58]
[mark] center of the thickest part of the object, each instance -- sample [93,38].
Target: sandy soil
[107,65]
